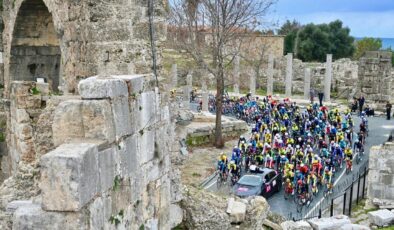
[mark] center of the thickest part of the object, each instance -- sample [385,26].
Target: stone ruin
[85,152]
[376,80]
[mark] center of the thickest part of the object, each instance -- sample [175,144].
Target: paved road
[379,131]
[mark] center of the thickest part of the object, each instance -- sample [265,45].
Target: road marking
[210,185]
[335,183]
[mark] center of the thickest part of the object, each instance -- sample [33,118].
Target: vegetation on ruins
[367,44]
[313,42]
[224,24]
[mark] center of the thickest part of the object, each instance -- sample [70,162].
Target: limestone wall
[93,37]
[376,80]
[381,173]
[111,162]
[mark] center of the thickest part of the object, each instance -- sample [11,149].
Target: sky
[365,18]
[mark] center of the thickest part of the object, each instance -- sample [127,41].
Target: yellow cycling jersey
[232,166]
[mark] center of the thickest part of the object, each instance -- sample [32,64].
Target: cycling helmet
[289,145]
[308,146]
[297,146]
[232,162]
[288,180]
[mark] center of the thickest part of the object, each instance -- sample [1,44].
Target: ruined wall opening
[35,50]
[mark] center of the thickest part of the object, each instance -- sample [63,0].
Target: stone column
[289,74]
[187,90]
[270,75]
[174,74]
[204,95]
[252,82]
[307,83]
[236,74]
[327,78]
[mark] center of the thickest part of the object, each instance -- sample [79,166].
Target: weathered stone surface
[33,217]
[98,120]
[381,217]
[256,212]
[107,163]
[70,177]
[14,205]
[299,225]
[330,223]
[176,215]
[121,114]
[67,122]
[236,210]
[22,116]
[128,154]
[354,227]
[99,88]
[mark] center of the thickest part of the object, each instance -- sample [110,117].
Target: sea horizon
[386,42]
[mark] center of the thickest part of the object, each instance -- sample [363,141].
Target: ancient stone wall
[381,173]
[110,163]
[92,37]
[375,79]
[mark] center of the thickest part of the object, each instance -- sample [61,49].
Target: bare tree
[211,32]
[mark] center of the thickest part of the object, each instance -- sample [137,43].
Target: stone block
[146,144]
[107,168]
[22,116]
[24,131]
[148,112]
[33,217]
[99,88]
[135,83]
[43,88]
[98,121]
[381,217]
[354,227]
[236,210]
[176,215]
[100,212]
[67,122]
[28,102]
[299,225]
[127,152]
[122,119]
[69,177]
[14,205]
[330,223]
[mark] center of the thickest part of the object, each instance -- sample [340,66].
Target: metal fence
[342,199]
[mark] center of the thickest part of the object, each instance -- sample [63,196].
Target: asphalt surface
[379,130]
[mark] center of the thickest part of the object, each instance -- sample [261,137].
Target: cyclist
[234,170]
[349,158]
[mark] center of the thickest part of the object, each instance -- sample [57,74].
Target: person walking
[361,102]
[312,95]
[321,95]
[388,110]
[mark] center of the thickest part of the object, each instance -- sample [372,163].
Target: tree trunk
[219,142]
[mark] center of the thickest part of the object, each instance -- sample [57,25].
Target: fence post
[319,213]
[358,188]
[351,198]
[332,207]
[344,204]
[365,174]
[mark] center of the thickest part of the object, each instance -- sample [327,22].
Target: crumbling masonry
[97,157]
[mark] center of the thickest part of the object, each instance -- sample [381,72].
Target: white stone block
[99,88]
[67,122]
[136,83]
[100,212]
[98,121]
[299,225]
[146,142]
[381,217]
[237,212]
[354,227]
[33,217]
[148,112]
[14,205]
[107,168]
[176,215]
[69,177]
[22,116]
[122,119]
[128,154]
[330,223]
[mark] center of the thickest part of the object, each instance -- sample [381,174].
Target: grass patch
[196,174]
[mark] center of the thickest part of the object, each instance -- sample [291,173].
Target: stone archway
[35,50]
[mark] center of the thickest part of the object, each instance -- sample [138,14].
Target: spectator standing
[361,102]
[388,110]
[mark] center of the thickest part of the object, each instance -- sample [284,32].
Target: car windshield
[250,180]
